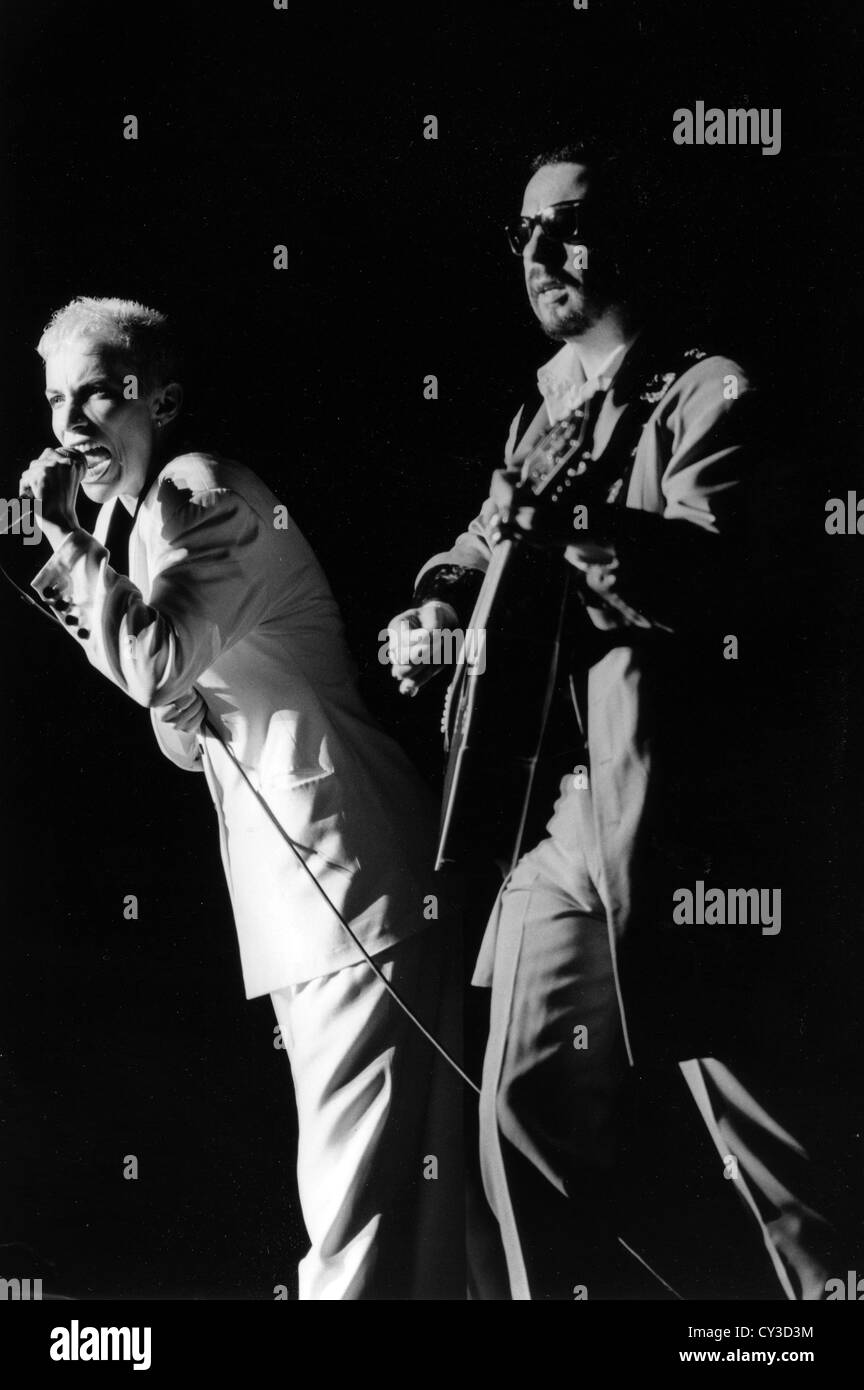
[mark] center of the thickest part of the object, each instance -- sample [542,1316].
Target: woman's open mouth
[98,460]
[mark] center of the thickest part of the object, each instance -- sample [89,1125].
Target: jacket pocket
[297,778]
[311,811]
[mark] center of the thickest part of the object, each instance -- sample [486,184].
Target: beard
[572,324]
[571,320]
[595,292]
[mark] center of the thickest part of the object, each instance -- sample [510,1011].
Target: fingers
[519,516]
[187,713]
[518,522]
[436,616]
[412,684]
[410,645]
[52,482]
[502,491]
[511,516]
[414,644]
[51,466]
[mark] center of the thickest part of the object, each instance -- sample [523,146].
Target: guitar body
[496,709]
[495,716]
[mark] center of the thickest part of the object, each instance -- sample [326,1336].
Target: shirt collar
[563,384]
[132,504]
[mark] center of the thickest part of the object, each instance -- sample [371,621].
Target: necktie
[117,539]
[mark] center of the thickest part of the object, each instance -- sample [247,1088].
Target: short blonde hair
[142,336]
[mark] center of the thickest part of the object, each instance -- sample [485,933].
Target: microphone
[74,456]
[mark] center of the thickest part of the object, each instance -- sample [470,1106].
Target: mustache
[540,282]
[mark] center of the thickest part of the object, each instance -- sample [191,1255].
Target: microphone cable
[406,1009]
[271,815]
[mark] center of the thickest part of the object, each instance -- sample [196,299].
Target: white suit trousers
[380,1165]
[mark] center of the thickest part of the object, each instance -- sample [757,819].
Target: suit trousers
[379,1156]
[553,1081]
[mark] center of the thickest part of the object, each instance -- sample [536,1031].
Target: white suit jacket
[222,598]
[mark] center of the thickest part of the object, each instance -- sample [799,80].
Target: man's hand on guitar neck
[413,645]
[522,516]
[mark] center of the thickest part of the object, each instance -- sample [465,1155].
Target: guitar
[498,702]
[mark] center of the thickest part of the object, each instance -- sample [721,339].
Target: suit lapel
[532,435]
[611,411]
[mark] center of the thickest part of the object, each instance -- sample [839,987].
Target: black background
[260,127]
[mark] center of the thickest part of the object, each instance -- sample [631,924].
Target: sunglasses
[560,222]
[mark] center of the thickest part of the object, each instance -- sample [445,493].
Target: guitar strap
[648,372]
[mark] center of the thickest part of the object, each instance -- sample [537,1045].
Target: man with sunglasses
[589,977]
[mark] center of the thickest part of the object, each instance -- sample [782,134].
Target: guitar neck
[491,582]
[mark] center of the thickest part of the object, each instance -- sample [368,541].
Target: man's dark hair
[624,180]
[589,149]
[630,207]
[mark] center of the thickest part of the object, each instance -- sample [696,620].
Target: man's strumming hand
[411,643]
